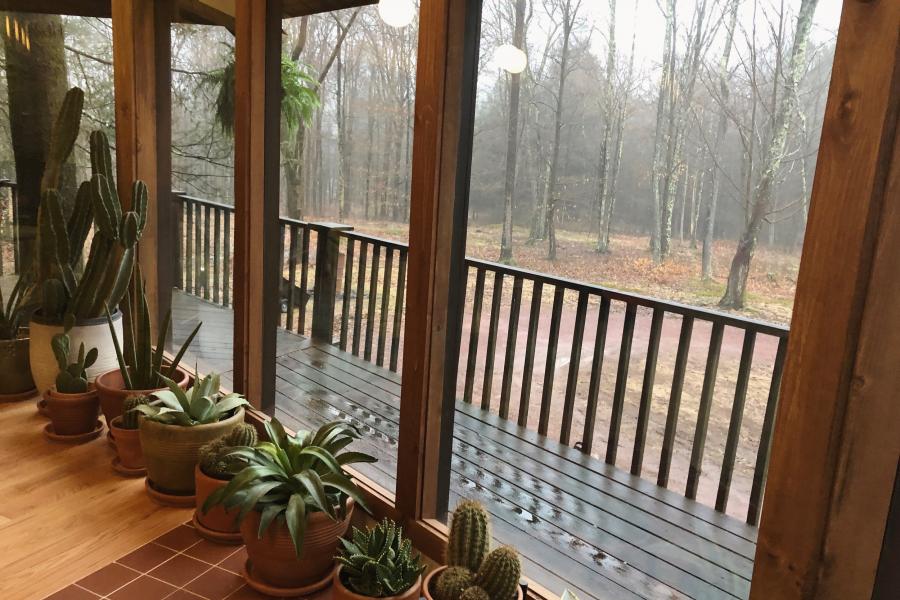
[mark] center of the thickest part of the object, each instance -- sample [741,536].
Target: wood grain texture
[65,513]
[835,446]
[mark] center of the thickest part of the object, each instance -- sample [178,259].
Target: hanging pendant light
[397,13]
[510,59]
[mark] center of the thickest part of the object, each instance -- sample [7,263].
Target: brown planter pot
[73,414]
[217,519]
[273,557]
[434,574]
[16,368]
[128,445]
[111,387]
[170,451]
[341,592]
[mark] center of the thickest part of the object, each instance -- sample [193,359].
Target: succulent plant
[130,417]
[474,593]
[470,536]
[214,457]
[16,309]
[499,574]
[199,405]
[140,365]
[379,562]
[72,377]
[298,475]
[451,584]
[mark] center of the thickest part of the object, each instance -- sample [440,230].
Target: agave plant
[16,309]
[379,562]
[199,405]
[291,476]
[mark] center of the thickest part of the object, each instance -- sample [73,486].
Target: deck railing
[348,288]
[9,230]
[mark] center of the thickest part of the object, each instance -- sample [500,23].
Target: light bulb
[510,59]
[397,13]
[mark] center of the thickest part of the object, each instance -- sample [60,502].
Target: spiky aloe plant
[201,404]
[379,562]
[214,457]
[141,366]
[72,377]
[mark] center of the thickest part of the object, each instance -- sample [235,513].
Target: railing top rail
[394,244]
[203,201]
[298,222]
[7,183]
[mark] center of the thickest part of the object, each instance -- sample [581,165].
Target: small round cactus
[470,536]
[130,416]
[213,456]
[474,593]
[242,435]
[500,573]
[451,584]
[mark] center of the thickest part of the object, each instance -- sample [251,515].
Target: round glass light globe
[397,13]
[510,59]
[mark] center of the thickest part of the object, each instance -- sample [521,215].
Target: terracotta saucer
[174,500]
[18,397]
[277,592]
[220,537]
[42,406]
[126,471]
[78,438]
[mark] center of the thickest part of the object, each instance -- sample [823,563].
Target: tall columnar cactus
[62,138]
[470,536]
[72,377]
[499,574]
[130,416]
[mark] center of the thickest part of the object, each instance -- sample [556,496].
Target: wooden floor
[581,524]
[64,512]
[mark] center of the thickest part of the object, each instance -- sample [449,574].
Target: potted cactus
[142,368]
[175,426]
[16,383]
[214,470]
[472,572]
[129,460]
[73,403]
[295,503]
[378,563]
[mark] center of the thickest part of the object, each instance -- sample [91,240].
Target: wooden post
[836,446]
[325,290]
[444,117]
[256,162]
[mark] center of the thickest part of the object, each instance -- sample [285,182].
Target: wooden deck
[582,524]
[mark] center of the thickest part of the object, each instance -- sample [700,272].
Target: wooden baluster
[179,241]
[304,281]
[198,249]
[534,318]
[684,347]
[574,362]
[473,336]
[360,292]
[706,398]
[373,297]
[217,249]
[345,301]
[764,451]
[292,276]
[590,417]
[737,417]
[189,258]
[207,213]
[509,359]
[226,279]
[615,419]
[385,304]
[640,437]
[488,381]
[396,330]
[550,365]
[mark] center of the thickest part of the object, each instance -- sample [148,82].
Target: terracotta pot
[94,333]
[274,559]
[170,451]
[217,518]
[435,573]
[341,592]
[111,387]
[128,445]
[16,367]
[73,414]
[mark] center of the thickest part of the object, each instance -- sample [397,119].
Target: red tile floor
[179,565]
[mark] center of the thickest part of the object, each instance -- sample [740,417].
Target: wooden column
[836,444]
[256,163]
[142,76]
[444,117]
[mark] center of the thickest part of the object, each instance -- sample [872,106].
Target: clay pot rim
[317,515]
[101,384]
[114,424]
[52,393]
[198,472]
[37,317]
[19,340]
[239,412]
[412,591]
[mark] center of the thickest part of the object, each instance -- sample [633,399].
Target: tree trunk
[660,139]
[512,141]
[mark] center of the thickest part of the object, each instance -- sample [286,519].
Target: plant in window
[16,382]
[378,563]
[295,501]
[129,457]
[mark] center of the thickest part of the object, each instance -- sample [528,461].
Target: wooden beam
[256,165]
[299,8]
[836,447]
[444,117]
[82,8]
[205,12]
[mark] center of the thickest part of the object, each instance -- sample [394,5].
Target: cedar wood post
[836,444]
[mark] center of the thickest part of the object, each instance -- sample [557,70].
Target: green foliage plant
[131,417]
[290,476]
[379,562]
[214,457]
[16,309]
[72,377]
[200,405]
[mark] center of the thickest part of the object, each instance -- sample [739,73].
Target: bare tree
[512,139]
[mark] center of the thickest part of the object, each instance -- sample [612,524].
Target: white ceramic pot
[93,332]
